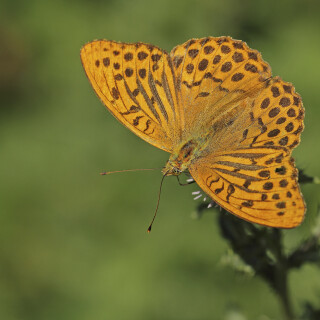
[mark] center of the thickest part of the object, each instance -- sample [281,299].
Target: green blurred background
[73,244]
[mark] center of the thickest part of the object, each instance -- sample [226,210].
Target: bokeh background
[73,244]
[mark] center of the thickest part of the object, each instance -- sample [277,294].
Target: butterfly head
[171,170]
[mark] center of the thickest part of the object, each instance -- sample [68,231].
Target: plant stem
[284,297]
[281,279]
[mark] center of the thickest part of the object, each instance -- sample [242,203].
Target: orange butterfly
[214,105]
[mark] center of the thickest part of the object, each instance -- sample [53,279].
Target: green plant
[262,252]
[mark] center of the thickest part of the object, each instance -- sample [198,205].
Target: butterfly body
[213,104]
[181,159]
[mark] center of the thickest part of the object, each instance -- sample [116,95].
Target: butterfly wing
[256,184]
[136,84]
[212,75]
[255,177]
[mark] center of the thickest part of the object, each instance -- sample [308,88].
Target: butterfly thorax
[181,157]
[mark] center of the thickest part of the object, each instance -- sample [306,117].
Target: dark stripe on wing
[167,91]
[250,167]
[155,93]
[148,101]
[237,174]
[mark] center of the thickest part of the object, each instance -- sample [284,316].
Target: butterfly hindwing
[136,83]
[276,117]
[212,75]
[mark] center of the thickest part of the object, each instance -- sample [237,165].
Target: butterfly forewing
[256,184]
[136,84]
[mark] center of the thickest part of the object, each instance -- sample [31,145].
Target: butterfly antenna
[109,172]
[155,214]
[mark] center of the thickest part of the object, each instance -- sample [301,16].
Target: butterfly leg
[189,181]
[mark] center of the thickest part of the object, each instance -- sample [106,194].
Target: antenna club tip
[103,173]
[149,229]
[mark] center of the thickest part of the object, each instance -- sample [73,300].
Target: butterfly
[213,104]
